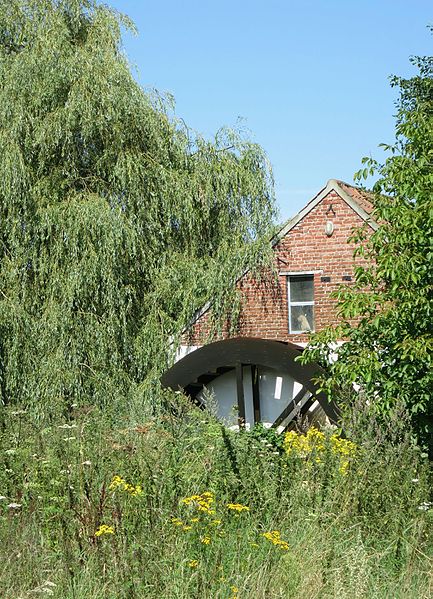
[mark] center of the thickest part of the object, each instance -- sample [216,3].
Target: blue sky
[310,78]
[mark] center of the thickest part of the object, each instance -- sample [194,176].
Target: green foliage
[268,436]
[117,221]
[96,505]
[388,352]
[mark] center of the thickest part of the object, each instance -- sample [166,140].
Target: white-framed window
[300,291]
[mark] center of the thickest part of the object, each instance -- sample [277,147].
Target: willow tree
[116,221]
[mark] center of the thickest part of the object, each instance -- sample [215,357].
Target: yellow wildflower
[345,449]
[342,446]
[314,442]
[344,467]
[104,530]
[238,507]
[205,540]
[120,483]
[205,508]
[303,445]
[193,563]
[187,527]
[201,502]
[177,522]
[116,482]
[274,536]
[138,490]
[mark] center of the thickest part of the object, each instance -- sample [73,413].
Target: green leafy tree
[116,220]
[388,353]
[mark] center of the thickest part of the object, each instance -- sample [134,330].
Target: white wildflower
[14,506]
[67,426]
[46,587]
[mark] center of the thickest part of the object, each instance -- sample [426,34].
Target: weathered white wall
[276,390]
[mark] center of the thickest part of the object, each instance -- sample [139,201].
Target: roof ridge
[362,206]
[362,196]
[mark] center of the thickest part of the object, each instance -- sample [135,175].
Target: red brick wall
[305,248]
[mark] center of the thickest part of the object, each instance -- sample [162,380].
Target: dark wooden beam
[303,411]
[290,407]
[240,394]
[256,393]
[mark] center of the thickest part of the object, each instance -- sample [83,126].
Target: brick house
[312,257]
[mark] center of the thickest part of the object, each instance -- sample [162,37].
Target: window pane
[302,318]
[301,289]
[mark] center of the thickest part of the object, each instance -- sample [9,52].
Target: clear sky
[310,78]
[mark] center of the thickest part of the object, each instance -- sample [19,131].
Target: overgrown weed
[70,529]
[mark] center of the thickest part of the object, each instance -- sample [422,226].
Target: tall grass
[364,532]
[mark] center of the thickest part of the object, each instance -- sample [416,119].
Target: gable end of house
[310,252]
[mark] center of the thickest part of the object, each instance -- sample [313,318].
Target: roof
[358,199]
[364,198]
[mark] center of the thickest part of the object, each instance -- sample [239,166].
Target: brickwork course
[301,247]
